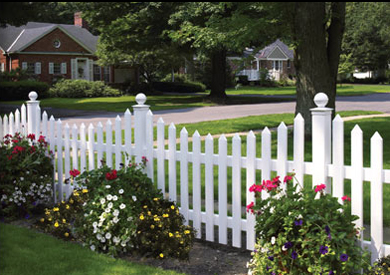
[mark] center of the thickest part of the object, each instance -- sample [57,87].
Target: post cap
[321,100]
[140,99]
[33,96]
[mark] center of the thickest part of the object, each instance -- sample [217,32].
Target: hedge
[19,90]
[82,88]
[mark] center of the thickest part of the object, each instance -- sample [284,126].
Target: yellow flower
[187,232]
[141,217]
[71,201]
[172,207]
[149,213]
[155,199]
[50,219]
[66,234]
[145,206]
[42,220]
[165,215]
[75,193]
[161,255]
[85,191]
[55,209]
[152,226]
[63,221]
[67,206]
[170,235]
[56,224]
[181,242]
[156,219]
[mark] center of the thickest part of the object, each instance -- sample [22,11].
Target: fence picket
[282,152]
[91,152]
[67,160]
[127,136]
[44,124]
[109,143]
[196,185]
[250,180]
[236,191]
[265,158]
[17,121]
[60,161]
[172,162]
[149,145]
[376,196]
[100,144]
[222,190]
[184,174]
[338,158]
[75,151]
[209,188]
[357,177]
[1,129]
[299,150]
[83,148]
[118,143]
[52,149]
[11,124]
[161,155]
[23,111]
[38,121]
[5,125]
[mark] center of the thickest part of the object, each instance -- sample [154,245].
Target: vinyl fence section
[83,148]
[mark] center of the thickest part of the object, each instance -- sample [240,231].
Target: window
[57,68]
[30,68]
[288,64]
[277,65]
[106,74]
[96,73]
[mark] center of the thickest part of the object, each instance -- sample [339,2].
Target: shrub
[26,175]
[17,74]
[175,87]
[382,266]
[121,211]
[81,88]
[304,232]
[10,90]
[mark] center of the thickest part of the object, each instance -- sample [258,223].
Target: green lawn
[24,251]
[342,90]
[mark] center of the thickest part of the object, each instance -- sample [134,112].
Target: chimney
[80,22]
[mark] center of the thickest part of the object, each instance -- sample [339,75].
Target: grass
[24,251]
[342,90]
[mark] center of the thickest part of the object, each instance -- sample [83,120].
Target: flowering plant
[304,231]
[26,175]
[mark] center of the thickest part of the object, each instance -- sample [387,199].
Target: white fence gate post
[140,111]
[321,140]
[32,118]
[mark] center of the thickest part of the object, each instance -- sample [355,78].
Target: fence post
[140,111]
[321,140]
[32,119]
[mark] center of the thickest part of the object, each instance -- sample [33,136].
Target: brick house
[54,51]
[276,58]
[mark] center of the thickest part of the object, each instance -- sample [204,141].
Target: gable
[46,44]
[277,54]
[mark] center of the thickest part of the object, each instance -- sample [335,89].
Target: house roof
[276,48]
[14,39]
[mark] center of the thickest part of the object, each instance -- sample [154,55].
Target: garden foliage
[116,211]
[26,175]
[304,231]
[82,88]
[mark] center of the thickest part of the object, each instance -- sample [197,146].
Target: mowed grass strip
[24,251]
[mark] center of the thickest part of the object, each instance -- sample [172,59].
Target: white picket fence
[80,150]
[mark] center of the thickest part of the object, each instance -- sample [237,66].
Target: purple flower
[331,272]
[294,255]
[324,250]
[343,257]
[271,258]
[288,245]
[298,223]
[27,216]
[327,229]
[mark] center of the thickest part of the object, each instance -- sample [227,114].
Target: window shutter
[2,67]
[63,68]
[38,68]
[24,65]
[51,68]
[90,69]
[73,65]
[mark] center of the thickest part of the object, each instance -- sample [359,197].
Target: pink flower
[269,185]
[255,188]
[249,207]
[287,179]
[346,198]
[320,187]
[74,172]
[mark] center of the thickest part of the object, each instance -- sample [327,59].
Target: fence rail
[227,175]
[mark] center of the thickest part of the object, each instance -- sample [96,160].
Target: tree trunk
[316,54]
[218,70]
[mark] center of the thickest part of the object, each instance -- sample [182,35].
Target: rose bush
[304,231]
[26,175]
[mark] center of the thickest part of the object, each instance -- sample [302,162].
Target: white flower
[108,210]
[116,213]
[134,198]
[116,240]
[98,236]
[122,206]
[103,240]
[103,201]
[110,205]
[273,240]
[129,219]
[115,220]
[92,247]
[95,224]
[115,198]
[123,244]
[108,186]
[21,178]
[109,197]
[121,191]
[108,235]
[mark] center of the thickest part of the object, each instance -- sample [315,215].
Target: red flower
[9,157]
[287,179]
[112,175]
[270,185]
[74,172]
[18,149]
[256,188]
[346,198]
[320,187]
[249,207]
[31,137]
[15,140]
